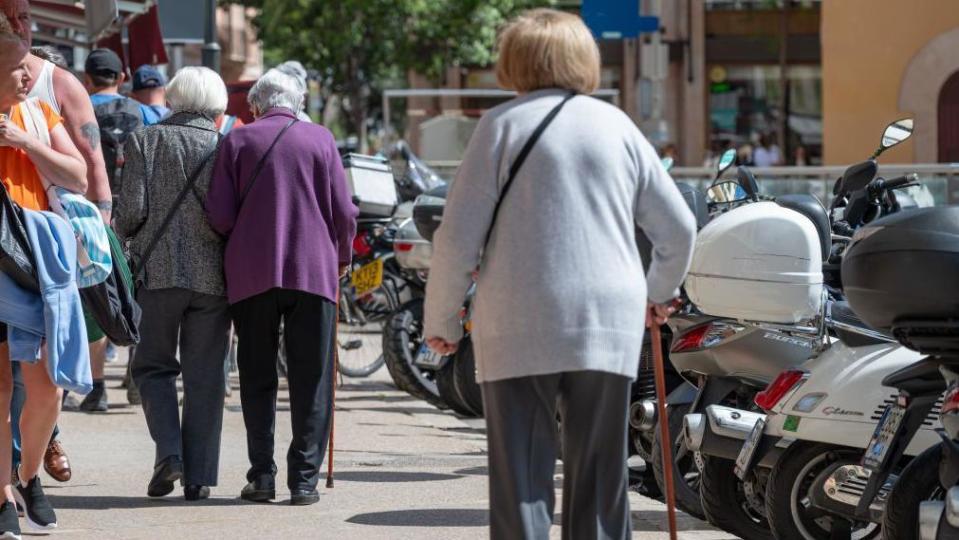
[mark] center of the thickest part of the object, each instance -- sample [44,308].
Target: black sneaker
[96,400]
[9,523]
[37,509]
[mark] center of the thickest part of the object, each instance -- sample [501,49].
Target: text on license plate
[368,277]
[748,451]
[427,357]
[883,437]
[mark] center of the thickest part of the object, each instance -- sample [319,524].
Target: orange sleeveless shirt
[18,173]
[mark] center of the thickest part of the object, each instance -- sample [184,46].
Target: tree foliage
[361,46]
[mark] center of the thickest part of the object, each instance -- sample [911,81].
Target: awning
[81,22]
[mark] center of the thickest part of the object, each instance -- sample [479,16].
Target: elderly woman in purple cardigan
[279,194]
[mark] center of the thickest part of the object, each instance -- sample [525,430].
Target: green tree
[361,46]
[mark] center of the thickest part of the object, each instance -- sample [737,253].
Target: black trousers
[308,324]
[199,325]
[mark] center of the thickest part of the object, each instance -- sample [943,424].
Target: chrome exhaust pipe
[642,415]
[930,515]
[694,431]
[952,507]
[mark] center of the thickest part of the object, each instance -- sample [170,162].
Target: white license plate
[744,461]
[428,358]
[883,437]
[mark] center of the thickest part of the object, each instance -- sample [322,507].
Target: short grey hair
[294,69]
[198,90]
[51,54]
[276,89]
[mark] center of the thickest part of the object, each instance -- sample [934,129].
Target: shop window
[745,110]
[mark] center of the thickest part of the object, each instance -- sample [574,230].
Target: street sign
[616,19]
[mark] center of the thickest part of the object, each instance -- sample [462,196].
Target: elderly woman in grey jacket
[561,297]
[180,285]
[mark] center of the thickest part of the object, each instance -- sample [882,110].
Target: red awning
[81,22]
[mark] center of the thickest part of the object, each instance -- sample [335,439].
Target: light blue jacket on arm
[55,314]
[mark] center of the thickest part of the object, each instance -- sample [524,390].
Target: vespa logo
[788,340]
[838,411]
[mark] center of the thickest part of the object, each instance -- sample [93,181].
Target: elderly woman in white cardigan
[561,297]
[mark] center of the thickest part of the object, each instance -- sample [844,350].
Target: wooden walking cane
[656,342]
[336,368]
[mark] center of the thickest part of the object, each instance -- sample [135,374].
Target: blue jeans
[17,400]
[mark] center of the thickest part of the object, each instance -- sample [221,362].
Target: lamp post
[211,49]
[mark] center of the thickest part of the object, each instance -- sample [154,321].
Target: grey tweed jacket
[158,161]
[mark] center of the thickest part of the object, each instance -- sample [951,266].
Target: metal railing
[940,181]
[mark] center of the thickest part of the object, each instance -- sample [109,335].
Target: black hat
[103,62]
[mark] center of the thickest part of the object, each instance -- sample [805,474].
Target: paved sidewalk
[403,470]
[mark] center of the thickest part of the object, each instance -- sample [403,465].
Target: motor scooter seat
[809,206]
[841,312]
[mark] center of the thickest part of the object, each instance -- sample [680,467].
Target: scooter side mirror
[727,160]
[894,134]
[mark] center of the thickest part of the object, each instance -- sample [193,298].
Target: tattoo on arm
[91,132]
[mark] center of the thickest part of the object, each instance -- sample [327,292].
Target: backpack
[118,118]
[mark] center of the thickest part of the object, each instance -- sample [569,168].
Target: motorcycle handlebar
[899,181]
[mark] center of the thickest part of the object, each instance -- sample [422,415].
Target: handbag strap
[177,203]
[259,165]
[523,154]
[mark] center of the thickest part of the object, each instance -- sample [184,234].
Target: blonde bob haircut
[545,48]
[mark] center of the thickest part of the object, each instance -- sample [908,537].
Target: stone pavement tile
[403,470]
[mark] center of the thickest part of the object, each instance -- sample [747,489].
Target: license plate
[368,277]
[744,461]
[883,437]
[428,358]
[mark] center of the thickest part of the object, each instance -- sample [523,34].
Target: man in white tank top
[67,96]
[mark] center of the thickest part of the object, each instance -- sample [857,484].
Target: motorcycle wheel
[918,482]
[447,387]
[686,473]
[402,337]
[788,506]
[464,377]
[732,505]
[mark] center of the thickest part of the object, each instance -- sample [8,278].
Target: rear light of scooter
[950,402]
[361,247]
[705,335]
[781,385]
[402,247]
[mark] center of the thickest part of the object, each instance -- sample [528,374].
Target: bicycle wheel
[358,350]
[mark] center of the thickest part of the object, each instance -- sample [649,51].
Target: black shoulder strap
[260,164]
[177,203]
[514,168]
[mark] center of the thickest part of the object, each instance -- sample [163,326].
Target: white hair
[294,69]
[276,89]
[198,90]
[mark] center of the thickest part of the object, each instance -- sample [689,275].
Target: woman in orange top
[23,158]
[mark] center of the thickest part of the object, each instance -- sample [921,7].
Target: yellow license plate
[368,277]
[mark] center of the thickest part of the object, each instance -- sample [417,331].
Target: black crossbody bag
[141,263]
[523,154]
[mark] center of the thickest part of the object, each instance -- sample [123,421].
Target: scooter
[735,359]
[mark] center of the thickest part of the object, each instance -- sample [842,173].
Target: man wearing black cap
[149,88]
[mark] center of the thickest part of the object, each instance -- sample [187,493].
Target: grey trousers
[522,433]
[199,324]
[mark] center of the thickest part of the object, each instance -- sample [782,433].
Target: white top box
[372,185]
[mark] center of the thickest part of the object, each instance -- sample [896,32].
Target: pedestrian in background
[279,193]
[23,158]
[179,280]
[559,310]
[149,88]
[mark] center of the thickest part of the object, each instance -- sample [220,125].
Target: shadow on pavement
[393,476]
[401,410]
[383,399]
[94,502]
[438,517]
[657,520]
[474,471]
